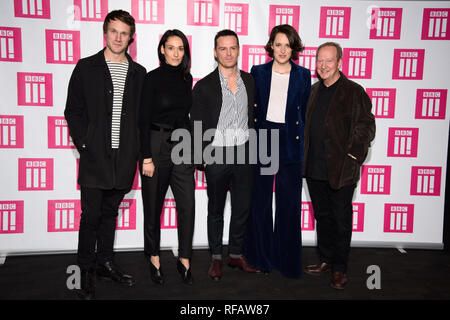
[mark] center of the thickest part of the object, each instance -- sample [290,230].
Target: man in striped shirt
[101,112]
[223,101]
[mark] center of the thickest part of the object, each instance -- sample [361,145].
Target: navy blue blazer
[297,98]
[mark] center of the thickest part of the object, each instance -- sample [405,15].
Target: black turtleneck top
[316,166]
[166,101]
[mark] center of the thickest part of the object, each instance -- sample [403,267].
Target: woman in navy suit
[282,91]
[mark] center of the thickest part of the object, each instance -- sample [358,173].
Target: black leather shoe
[156,275]
[186,275]
[87,285]
[109,271]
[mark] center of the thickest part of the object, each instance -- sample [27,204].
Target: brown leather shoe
[215,269]
[317,269]
[242,264]
[338,280]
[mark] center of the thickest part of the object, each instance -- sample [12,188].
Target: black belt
[159,128]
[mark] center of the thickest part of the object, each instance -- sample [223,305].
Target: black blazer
[207,101]
[89,113]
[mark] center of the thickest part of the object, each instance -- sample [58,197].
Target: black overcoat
[89,113]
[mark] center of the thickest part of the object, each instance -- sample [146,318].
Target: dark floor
[416,275]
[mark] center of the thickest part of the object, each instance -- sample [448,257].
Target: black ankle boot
[109,271]
[156,275]
[186,275]
[87,285]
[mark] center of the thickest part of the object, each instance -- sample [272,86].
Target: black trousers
[180,178]
[97,225]
[333,212]
[238,179]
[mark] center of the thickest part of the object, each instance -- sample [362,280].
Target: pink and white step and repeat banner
[397,50]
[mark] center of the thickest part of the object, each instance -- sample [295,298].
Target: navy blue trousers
[269,245]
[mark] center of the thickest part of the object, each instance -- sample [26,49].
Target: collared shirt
[232,127]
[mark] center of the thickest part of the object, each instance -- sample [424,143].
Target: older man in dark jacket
[101,111]
[338,130]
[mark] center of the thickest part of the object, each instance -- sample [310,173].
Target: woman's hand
[148,167]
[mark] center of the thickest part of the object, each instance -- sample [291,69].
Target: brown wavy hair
[294,40]
[123,16]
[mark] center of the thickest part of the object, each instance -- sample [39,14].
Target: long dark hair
[186,62]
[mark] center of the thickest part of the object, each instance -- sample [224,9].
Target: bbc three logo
[357,62]
[398,218]
[386,23]
[431,103]
[90,10]
[281,14]
[203,12]
[375,179]
[403,142]
[11,217]
[435,25]
[383,102]
[58,133]
[11,131]
[148,11]
[408,64]
[38,9]
[10,44]
[335,22]
[34,89]
[62,46]
[236,17]
[426,181]
[35,174]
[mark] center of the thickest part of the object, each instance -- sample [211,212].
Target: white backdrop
[397,50]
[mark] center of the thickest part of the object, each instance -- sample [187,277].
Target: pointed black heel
[156,275]
[186,275]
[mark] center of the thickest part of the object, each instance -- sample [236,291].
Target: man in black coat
[223,102]
[101,112]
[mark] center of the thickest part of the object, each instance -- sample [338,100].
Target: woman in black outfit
[166,103]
